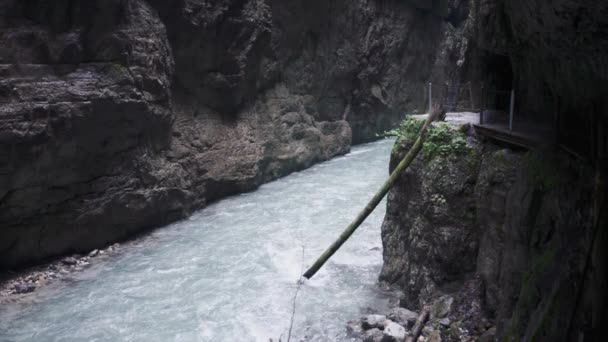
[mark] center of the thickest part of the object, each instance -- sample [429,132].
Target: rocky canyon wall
[116,116]
[504,233]
[517,227]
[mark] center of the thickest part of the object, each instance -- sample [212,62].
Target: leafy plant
[409,128]
[442,139]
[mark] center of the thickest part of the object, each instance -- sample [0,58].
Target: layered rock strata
[117,116]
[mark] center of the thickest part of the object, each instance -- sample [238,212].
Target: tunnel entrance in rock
[499,81]
[501,116]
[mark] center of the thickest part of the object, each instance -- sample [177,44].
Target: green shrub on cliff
[443,139]
[408,129]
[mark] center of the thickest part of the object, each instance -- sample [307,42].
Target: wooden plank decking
[526,136]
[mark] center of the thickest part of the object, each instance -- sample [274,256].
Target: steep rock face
[557,52]
[451,62]
[84,88]
[520,223]
[429,232]
[536,215]
[541,251]
[122,115]
[363,62]
[496,177]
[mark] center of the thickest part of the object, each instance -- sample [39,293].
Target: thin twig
[298,286]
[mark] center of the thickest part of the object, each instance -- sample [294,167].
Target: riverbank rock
[70,261]
[376,328]
[373,335]
[373,321]
[354,329]
[31,279]
[403,316]
[393,332]
[442,307]
[24,288]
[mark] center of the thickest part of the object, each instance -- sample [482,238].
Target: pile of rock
[389,328]
[443,325]
[29,280]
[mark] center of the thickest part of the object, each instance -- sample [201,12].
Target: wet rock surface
[373,321]
[13,285]
[399,322]
[118,116]
[393,332]
[429,232]
[511,220]
[403,316]
[376,328]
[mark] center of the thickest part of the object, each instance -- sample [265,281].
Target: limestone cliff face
[120,115]
[516,225]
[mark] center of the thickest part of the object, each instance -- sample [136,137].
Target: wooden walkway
[523,135]
[496,126]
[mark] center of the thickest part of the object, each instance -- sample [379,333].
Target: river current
[228,272]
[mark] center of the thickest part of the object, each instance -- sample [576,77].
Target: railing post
[511,109]
[482,104]
[448,99]
[430,96]
[472,106]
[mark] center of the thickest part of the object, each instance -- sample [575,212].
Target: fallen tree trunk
[417,329]
[436,114]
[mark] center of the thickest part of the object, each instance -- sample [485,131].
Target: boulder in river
[403,316]
[393,332]
[373,335]
[24,288]
[354,329]
[70,261]
[373,321]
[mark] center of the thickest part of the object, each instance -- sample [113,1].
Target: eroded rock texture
[429,233]
[519,224]
[85,95]
[121,115]
[534,215]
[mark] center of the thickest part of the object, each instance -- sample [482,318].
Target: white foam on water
[229,272]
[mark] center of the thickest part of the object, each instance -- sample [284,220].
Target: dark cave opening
[498,81]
